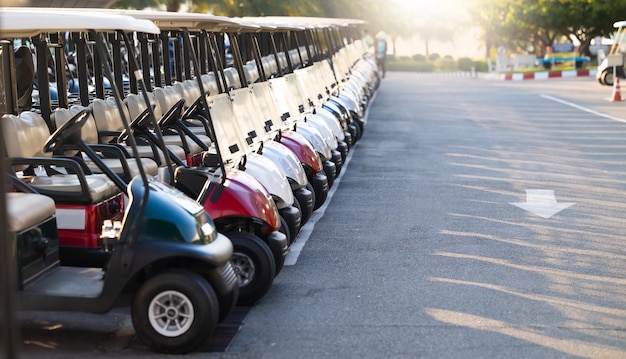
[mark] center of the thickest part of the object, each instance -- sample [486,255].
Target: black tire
[254,266]
[182,298]
[607,78]
[358,135]
[316,205]
[305,212]
[284,229]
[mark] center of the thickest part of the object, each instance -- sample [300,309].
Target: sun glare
[430,8]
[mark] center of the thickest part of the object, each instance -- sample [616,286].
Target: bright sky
[426,7]
[465,42]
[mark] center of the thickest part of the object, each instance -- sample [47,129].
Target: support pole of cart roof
[308,42]
[133,232]
[275,52]
[205,109]
[43,82]
[219,69]
[285,42]
[297,41]
[80,41]
[145,60]
[98,76]
[258,56]
[59,68]
[318,48]
[118,66]
[154,41]
[178,61]
[9,331]
[9,84]
[167,57]
[211,59]
[237,59]
[187,57]
[203,53]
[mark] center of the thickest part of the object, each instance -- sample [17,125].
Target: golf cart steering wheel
[66,131]
[172,116]
[140,124]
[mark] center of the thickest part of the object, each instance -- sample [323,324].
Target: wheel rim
[171,313]
[244,268]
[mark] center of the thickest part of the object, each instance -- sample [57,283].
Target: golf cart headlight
[208,232]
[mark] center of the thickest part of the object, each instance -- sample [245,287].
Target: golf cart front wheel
[174,312]
[254,266]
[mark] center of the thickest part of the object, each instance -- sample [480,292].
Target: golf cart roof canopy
[619,24]
[21,22]
[177,20]
[312,21]
[271,25]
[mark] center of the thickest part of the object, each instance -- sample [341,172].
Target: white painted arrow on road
[542,202]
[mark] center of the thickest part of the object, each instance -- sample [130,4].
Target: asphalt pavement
[475,219]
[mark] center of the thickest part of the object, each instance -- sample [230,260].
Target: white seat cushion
[148,164]
[100,186]
[26,210]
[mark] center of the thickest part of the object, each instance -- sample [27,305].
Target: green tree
[534,24]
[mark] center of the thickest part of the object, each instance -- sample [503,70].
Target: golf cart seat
[282,62]
[295,58]
[109,123]
[126,167]
[27,210]
[32,226]
[269,66]
[66,181]
[251,71]
[210,84]
[190,91]
[168,98]
[232,78]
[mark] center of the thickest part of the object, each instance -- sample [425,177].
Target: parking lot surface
[475,219]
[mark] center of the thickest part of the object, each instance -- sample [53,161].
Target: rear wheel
[254,266]
[174,312]
[607,77]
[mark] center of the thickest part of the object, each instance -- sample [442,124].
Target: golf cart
[606,73]
[165,257]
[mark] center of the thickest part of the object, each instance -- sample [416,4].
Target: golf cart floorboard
[70,282]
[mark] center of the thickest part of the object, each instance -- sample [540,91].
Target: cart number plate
[70,219]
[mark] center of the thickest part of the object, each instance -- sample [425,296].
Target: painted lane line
[296,248]
[305,232]
[585,109]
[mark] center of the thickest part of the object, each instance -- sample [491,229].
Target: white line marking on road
[305,232]
[585,109]
[307,229]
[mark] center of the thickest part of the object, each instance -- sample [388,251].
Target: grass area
[448,64]
[434,64]
[411,66]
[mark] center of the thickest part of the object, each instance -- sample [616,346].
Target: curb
[547,75]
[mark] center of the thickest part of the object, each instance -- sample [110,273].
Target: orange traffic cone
[617,95]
